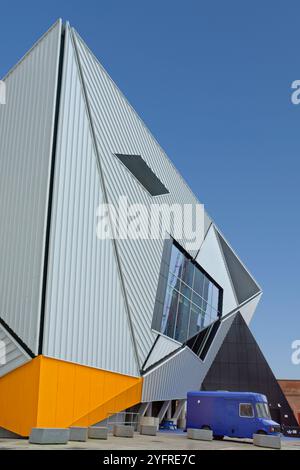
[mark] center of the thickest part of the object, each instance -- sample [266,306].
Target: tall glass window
[191,301]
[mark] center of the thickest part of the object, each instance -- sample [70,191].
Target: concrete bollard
[263,440]
[121,430]
[49,436]
[98,432]
[148,430]
[149,421]
[78,434]
[200,434]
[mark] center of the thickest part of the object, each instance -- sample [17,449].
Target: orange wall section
[19,392]
[48,392]
[70,393]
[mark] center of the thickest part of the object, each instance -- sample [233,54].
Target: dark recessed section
[141,171]
[240,366]
[201,342]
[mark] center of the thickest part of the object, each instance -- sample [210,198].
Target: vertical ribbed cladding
[118,129]
[174,377]
[12,355]
[51,183]
[85,316]
[26,135]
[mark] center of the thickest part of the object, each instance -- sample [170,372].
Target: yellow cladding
[48,392]
[19,394]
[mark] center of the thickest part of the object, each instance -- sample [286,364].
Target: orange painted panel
[19,398]
[120,402]
[78,393]
[48,392]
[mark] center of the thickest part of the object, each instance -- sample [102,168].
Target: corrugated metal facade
[26,134]
[163,347]
[100,295]
[85,319]
[118,129]
[182,372]
[11,354]
[174,378]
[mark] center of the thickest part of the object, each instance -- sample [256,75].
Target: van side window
[246,410]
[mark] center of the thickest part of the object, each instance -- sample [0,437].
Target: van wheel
[261,432]
[218,438]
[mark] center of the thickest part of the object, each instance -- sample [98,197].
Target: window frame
[186,292]
[170,280]
[247,404]
[265,415]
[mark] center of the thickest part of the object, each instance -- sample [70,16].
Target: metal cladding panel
[182,372]
[207,222]
[118,129]
[174,378]
[248,310]
[85,319]
[210,257]
[26,134]
[11,354]
[244,284]
[162,348]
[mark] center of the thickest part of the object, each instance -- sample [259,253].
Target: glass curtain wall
[191,301]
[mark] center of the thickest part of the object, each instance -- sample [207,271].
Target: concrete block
[148,430]
[49,436]
[149,421]
[200,434]
[262,440]
[78,434]
[98,432]
[121,430]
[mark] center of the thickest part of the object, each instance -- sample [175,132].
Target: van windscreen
[263,411]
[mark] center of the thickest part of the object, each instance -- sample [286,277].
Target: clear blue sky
[212,81]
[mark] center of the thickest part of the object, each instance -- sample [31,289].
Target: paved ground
[163,441]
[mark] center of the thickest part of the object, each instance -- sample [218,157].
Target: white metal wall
[163,347]
[171,380]
[211,259]
[26,130]
[85,320]
[118,129]
[182,372]
[11,354]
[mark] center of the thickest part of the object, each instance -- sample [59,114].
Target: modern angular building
[96,326]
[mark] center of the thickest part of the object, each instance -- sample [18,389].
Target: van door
[231,417]
[241,419]
[247,420]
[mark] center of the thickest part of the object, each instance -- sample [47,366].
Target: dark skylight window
[141,171]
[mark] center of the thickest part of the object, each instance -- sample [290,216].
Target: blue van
[232,414]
